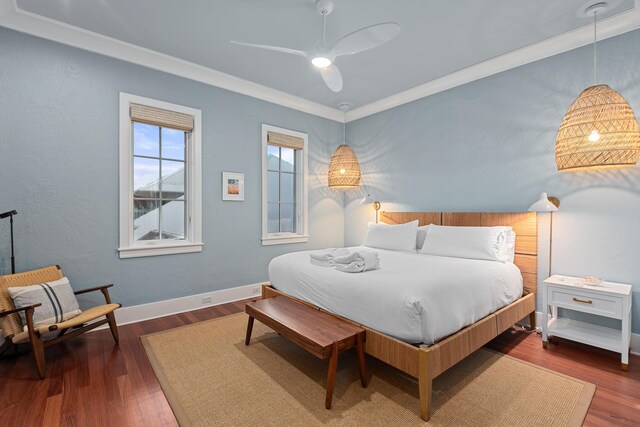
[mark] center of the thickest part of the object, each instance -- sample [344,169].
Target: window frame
[280,172]
[128,246]
[301,191]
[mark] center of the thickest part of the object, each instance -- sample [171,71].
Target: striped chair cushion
[57,298]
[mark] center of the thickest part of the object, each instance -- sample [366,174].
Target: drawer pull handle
[582,301]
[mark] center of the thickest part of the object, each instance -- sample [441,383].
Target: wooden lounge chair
[14,332]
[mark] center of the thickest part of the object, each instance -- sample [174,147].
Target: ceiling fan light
[321,61]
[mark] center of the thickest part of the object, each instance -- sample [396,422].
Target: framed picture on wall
[233,186]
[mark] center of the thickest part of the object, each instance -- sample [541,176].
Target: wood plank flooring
[91,382]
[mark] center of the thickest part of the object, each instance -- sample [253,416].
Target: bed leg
[532,320]
[425,383]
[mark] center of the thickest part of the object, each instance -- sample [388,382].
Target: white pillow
[58,301]
[401,237]
[422,234]
[486,243]
[510,246]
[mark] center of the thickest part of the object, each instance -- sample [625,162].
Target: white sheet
[412,297]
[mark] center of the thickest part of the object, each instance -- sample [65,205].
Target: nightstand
[607,299]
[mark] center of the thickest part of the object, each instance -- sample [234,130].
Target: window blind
[287,141]
[159,117]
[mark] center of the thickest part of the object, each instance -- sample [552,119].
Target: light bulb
[321,62]
[594,136]
[343,170]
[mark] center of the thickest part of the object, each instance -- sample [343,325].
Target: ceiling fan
[323,56]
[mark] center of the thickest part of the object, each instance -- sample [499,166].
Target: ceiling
[436,39]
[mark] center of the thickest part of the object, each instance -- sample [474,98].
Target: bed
[505,294]
[415,298]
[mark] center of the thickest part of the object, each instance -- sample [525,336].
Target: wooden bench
[321,334]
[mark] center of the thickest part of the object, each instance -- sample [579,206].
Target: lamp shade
[344,169]
[543,205]
[367,199]
[599,131]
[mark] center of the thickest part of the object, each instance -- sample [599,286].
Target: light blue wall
[489,146]
[484,146]
[59,169]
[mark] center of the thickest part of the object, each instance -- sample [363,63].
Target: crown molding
[12,17]
[609,27]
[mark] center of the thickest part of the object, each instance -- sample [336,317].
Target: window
[160,178]
[284,186]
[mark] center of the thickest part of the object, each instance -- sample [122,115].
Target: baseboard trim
[154,310]
[635,338]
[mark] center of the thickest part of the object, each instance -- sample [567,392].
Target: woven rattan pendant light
[600,130]
[344,169]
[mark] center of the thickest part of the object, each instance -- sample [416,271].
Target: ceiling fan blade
[332,77]
[274,48]
[366,38]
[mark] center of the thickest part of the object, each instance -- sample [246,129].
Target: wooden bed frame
[427,363]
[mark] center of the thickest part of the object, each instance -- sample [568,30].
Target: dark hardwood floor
[91,382]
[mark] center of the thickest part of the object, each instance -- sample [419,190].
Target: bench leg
[331,375]
[249,329]
[360,348]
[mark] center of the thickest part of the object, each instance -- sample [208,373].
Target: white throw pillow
[401,237]
[488,243]
[510,246]
[422,234]
[58,301]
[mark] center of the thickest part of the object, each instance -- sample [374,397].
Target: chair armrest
[104,289]
[17,310]
[97,288]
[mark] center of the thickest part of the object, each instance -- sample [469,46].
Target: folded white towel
[326,257]
[357,262]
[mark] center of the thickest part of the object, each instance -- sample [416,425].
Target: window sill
[284,240]
[160,249]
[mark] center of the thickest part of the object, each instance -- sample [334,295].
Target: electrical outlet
[206,300]
[256,290]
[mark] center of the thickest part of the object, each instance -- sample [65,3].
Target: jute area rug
[211,378]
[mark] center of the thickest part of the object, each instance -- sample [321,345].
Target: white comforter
[413,297]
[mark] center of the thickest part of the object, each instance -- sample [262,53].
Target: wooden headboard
[523,223]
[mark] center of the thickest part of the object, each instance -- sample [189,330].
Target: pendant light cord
[595,40]
[344,132]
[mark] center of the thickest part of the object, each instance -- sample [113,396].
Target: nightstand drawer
[587,302]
